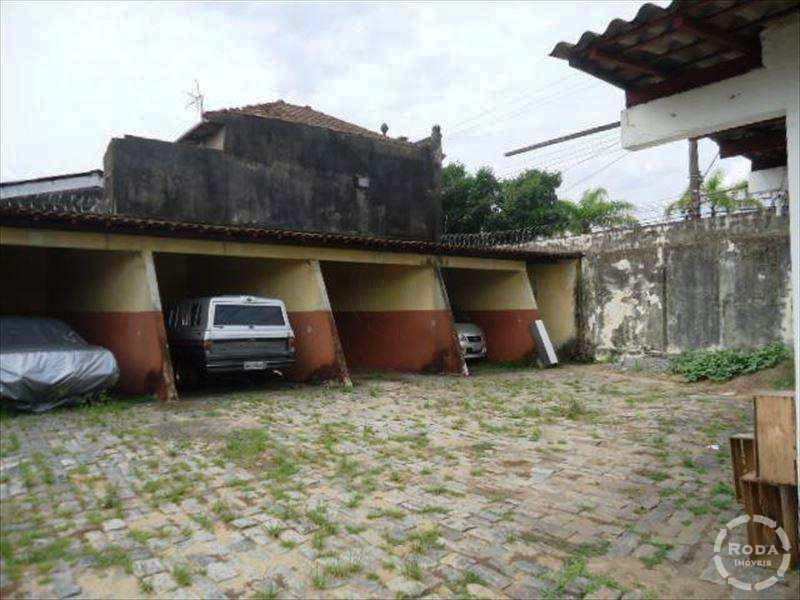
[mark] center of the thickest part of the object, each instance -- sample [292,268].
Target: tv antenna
[196,98]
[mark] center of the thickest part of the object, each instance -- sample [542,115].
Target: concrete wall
[280,174]
[499,302]
[393,317]
[108,297]
[722,282]
[556,289]
[297,282]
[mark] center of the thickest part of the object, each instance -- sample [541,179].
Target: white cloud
[74,75]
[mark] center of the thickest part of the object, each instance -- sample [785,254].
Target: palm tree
[716,196]
[596,209]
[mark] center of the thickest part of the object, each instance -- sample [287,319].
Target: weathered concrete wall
[279,174]
[716,283]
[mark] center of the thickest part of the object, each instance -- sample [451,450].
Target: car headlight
[462,337]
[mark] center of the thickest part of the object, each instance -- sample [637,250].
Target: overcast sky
[74,75]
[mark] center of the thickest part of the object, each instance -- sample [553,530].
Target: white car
[472,340]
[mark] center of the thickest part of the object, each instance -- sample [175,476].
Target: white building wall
[56,184]
[765,93]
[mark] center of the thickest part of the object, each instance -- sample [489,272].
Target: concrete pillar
[319,352]
[298,283]
[393,317]
[499,302]
[111,299]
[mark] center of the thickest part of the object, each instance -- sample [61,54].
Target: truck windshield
[238,314]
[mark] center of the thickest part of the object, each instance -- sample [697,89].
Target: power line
[519,96]
[572,160]
[537,100]
[600,170]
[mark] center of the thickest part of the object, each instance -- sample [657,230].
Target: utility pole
[694,180]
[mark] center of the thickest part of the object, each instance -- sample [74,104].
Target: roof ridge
[304,114]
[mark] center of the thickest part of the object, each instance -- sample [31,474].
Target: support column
[499,302]
[319,352]
[393,317]
[111,298]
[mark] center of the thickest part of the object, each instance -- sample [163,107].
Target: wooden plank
[627,62]
[789,520]
[776,448]
[776,502]
[721,37]
[743,459]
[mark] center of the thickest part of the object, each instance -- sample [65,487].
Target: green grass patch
[246,445]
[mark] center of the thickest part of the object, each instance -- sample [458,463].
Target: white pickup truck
[225,334]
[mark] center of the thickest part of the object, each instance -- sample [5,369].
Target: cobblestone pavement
[512,483]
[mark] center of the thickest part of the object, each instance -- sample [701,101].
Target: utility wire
[538,101]
[600,170]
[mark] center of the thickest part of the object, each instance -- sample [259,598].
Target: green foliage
[722,365]
[596,209]
[716,196]
[469,202]
[529,200]
[483,203]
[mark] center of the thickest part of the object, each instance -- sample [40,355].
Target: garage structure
[109,297]
[353,301]
[298,283]
[393,317]
[499,300]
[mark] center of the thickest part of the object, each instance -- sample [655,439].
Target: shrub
[722,365]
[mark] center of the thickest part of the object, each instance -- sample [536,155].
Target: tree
[470,203]
[716,196]
[481,203]
[596,209]
[529,201]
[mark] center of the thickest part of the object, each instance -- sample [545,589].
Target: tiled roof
[300,114]
[16,216]
[663,51]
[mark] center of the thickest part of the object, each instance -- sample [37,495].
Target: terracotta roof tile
[20,216]
[300,114]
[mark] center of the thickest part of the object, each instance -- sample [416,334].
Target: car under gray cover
[44,364]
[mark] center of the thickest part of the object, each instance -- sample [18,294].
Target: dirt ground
[580,481]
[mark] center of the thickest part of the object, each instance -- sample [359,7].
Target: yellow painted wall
[296,282]
[42,280]
[555,286]
[102,241]
[359,287]
[470,289]
[23,272]
[99,281]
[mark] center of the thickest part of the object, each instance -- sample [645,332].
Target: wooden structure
[765,471]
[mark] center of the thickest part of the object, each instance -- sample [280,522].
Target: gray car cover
[44,364]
